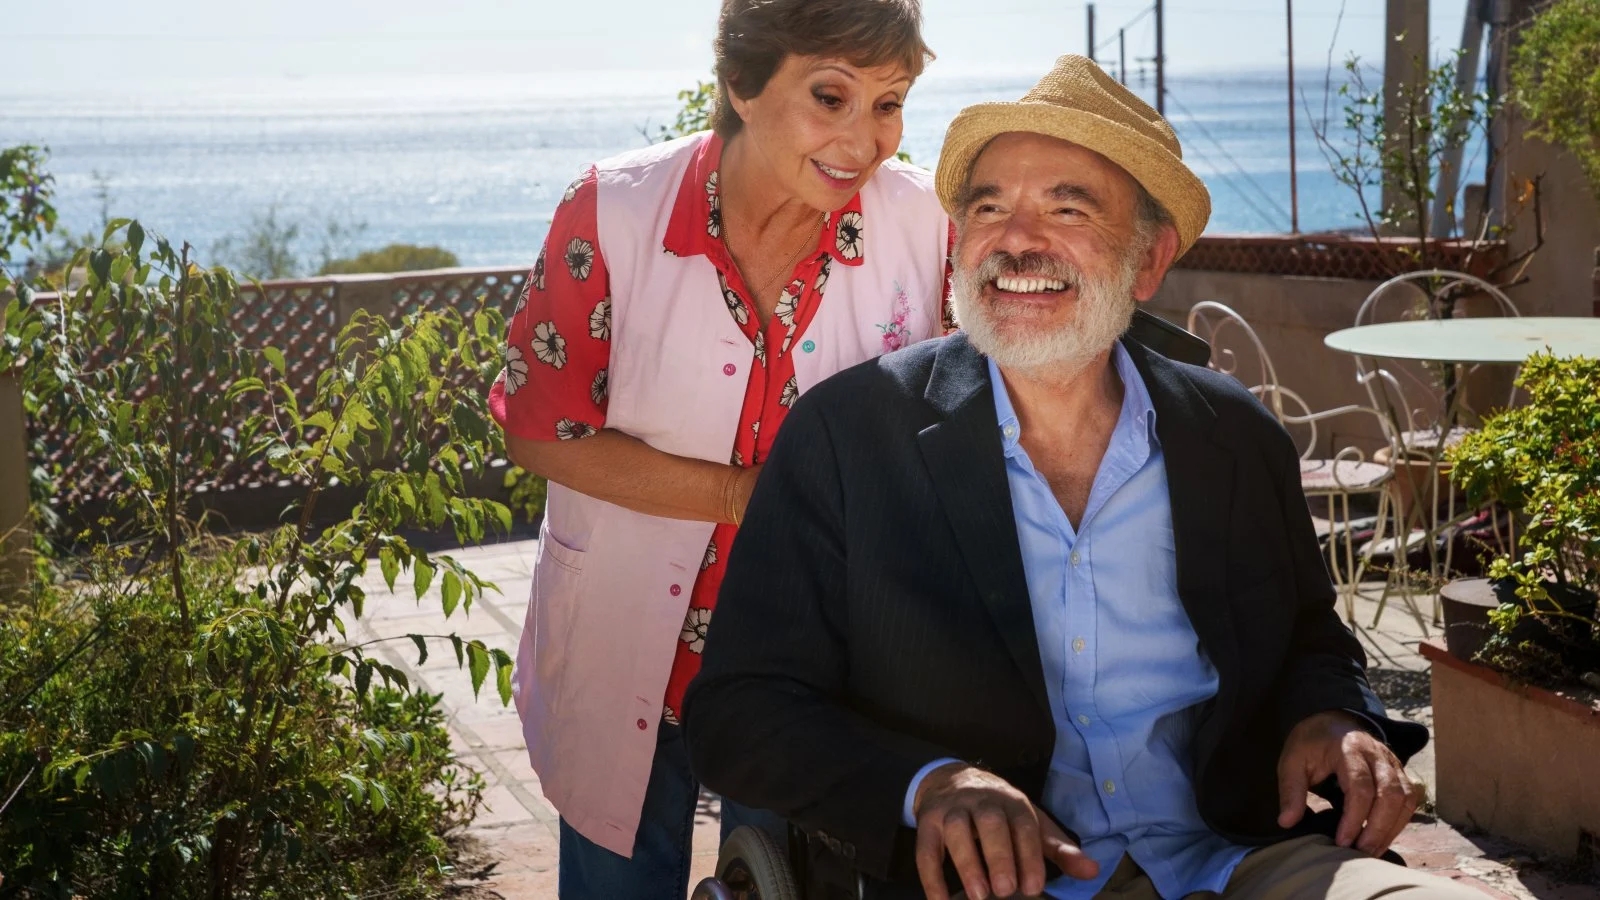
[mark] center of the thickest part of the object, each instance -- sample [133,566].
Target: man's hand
[1377,791]
[995,836]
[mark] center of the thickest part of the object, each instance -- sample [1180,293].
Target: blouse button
[675,590]
[809,346]
[642,725]
[729,369]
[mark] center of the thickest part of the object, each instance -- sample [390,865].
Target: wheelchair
[752,866]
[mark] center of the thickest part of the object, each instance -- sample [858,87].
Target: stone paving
[514,839]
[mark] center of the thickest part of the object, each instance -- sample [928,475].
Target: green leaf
[477,664]
[363,678]
[424,571]
[502,674]
[275,359]
[135,237]
[422,648]
[451,591]
[455,641]
[358,787]
[391,567]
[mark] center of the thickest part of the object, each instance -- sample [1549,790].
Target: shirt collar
[695,225]
[1136,405]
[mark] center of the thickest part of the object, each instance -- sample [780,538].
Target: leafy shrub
[1542,460]
[181,715]
[393,258]
[1556,73]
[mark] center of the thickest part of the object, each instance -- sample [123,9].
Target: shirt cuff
[908,816]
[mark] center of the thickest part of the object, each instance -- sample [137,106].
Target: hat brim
[1158,169]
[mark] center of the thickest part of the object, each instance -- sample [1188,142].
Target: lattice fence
[1337,256]
[301,319]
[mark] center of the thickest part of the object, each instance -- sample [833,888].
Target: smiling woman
[689,294]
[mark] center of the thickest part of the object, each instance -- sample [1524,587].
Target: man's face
[1051,259]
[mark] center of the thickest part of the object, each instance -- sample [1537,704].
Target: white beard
[1101,313]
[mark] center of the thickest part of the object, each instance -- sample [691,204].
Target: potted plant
[1517,729]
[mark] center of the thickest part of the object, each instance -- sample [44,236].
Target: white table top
[1492,340]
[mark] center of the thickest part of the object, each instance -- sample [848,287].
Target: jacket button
[729,369]
[643,724]
[675,590]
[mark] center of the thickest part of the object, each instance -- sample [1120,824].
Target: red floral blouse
[559,347]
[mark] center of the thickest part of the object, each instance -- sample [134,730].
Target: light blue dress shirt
[1123,668]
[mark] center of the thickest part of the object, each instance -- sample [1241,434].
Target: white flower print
[568,430]
[549,347]
[694,629]
[668,716]
[516,370]
[668,251]
[597,390]
[600,320]
[714,198]
[761,347]
[741,313]
[710,557]
[737,459]
[572,190]
[822,275]
[522,300]
[537,278]
[755,429]
[791,393]
[789,303]
[847,236]
[580,259]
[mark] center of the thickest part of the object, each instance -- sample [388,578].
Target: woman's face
[821,126]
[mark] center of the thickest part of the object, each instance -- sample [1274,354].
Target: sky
[599,44]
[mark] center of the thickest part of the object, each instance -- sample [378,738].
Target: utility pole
[1294,186]
[1161,60]
[1090,53]
[1122,56]
[1445,216]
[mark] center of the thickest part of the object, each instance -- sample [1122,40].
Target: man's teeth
[840,174]
[1029,285]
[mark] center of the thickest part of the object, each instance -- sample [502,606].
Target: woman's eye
[831,101]
[891,107]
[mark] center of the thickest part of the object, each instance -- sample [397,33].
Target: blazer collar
[965,458]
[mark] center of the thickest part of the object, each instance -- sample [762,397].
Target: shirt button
[1010,431]
[809,346]
[1083,720]
[1076,558]
[642,725]
[1110,786]
[675,590]
[1078,645]
[729,369]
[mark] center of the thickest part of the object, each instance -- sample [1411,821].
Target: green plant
[1542,461]
[266,249]
[221,746]
[26,214]
[393,258]
[1555,72]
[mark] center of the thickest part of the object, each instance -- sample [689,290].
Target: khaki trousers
[1307,868]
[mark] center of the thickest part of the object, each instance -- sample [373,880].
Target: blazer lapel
[965,459]
[1200,474]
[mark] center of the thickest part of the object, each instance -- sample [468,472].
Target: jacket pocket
[557,582]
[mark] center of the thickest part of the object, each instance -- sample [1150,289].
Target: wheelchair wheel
[754,868]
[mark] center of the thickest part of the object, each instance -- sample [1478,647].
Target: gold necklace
[788,268]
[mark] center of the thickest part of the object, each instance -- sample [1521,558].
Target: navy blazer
[875,615]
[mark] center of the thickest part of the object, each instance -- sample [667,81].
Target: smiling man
[1035,610]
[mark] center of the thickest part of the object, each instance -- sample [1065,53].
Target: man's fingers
[1391,808]
[1029,842]
[1065,852]
[994,833]
[960,842]
[1356,780]
[1293,784]
[930,859]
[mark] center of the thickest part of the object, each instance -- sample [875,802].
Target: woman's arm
[624,470]
[552,399]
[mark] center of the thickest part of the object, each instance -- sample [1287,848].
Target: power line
[1249,179]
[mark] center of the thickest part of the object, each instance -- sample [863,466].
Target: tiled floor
[517,832]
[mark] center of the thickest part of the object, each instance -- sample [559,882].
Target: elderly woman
[688,294]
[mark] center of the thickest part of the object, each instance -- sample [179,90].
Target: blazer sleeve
[767,720]
[1326,667]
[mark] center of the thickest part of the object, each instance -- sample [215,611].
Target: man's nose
[1022,233]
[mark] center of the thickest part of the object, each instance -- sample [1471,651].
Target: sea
[476,164]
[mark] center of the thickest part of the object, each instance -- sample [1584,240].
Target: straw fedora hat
[1078,102]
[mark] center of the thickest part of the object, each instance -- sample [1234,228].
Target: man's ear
[1157,259]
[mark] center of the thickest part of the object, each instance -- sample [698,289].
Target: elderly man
[1035,610]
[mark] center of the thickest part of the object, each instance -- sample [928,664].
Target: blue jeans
[659,867]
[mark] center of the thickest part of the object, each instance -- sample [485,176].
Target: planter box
[1515,760]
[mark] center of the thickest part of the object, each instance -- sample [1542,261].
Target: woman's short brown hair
[754,36]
